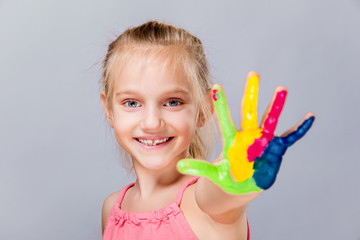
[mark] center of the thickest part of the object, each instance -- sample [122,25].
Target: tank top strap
[183,187]
[248,229]
[122,194]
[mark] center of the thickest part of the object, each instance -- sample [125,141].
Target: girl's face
[153,114]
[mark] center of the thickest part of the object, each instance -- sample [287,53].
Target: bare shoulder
[195,217]
[206,227]
[107,206]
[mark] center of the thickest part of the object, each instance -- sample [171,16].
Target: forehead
[150,69]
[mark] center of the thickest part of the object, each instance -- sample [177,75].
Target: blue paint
[291,138]
[267,165]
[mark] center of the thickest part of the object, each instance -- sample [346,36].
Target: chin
[155,163]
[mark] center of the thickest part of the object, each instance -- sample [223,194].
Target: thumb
[197,168]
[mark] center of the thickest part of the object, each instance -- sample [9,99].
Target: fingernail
[252,73]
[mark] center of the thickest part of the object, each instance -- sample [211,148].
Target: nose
[152,119]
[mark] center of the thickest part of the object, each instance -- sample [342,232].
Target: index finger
[249,102]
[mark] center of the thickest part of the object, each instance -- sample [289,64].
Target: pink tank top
[166,223]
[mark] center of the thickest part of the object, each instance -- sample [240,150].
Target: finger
[272,113]
[291,136]
[249,102]
[223,115]
[197,168]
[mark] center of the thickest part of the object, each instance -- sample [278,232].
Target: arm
[106,209]
[208,196]
[251,156]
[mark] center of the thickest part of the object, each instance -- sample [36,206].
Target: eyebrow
[174,91]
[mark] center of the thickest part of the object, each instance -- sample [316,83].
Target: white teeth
[152,142]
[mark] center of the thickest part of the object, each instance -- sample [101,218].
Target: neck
[150,182]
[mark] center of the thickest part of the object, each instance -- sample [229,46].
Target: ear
[202,118]
[107,110]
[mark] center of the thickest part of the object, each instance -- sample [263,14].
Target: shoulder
[107,206]
[195,217]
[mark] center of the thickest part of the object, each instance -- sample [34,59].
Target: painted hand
[251,157]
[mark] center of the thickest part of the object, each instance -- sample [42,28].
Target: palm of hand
[251,157]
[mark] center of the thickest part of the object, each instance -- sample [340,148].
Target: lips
[153,141]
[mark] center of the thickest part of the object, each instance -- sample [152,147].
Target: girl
[157,98]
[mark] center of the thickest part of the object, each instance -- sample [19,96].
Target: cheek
[123,131]
[123,124]
[184,121]
[123,118]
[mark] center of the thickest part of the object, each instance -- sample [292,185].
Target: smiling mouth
[151,142]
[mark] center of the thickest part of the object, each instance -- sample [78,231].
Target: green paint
[219,174]
[227,127]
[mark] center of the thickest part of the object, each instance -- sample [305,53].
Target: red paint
[274,114]
[214,94]
[259,145]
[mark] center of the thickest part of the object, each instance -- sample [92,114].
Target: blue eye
[132,104]
[173,103]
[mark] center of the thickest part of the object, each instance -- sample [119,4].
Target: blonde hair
[177,47]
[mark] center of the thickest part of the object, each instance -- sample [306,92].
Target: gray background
[58,161]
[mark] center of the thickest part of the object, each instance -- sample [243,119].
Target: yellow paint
[241,168]
[250,104]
